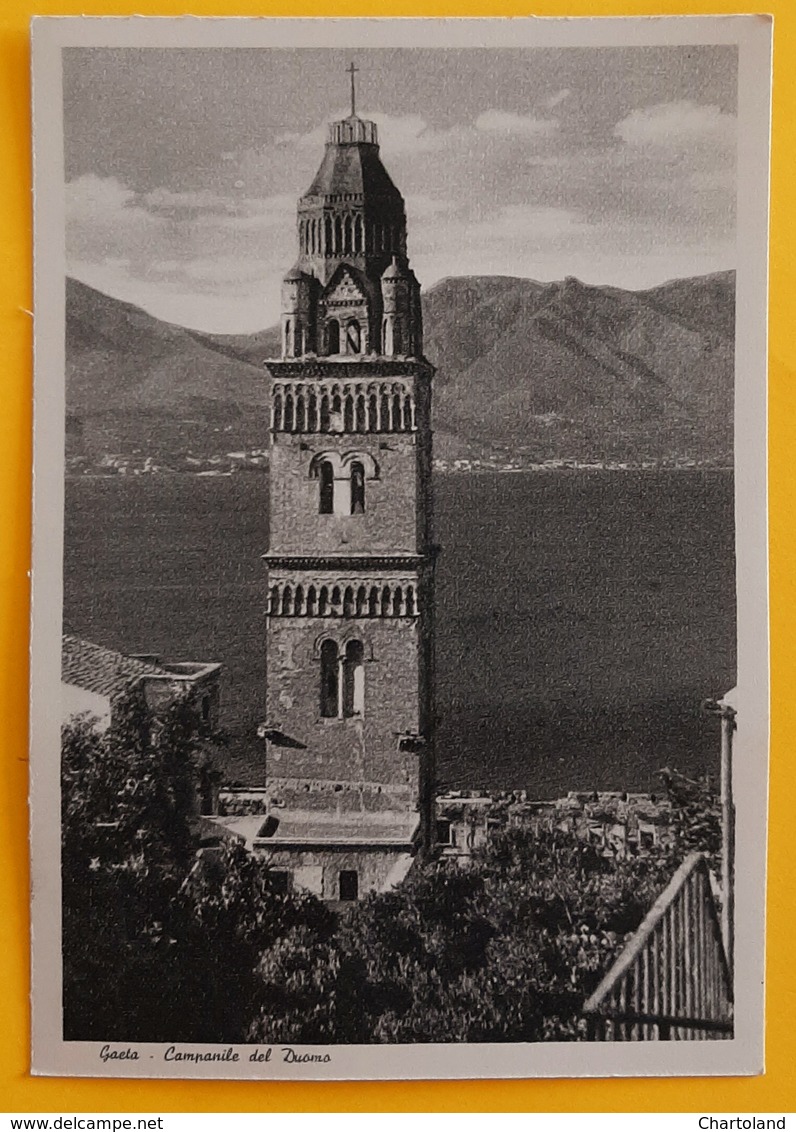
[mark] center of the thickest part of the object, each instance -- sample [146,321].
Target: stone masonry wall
[356,749]
[389,522]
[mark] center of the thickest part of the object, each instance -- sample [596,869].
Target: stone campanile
[350,560]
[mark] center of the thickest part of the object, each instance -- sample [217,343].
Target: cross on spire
[352,71]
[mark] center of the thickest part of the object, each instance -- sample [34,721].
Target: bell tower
[350,560]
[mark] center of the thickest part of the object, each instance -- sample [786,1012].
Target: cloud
[256,215]
[168,203]
[420,206]
[497,193]
[526,223]
[225,210]
[162,248]
[514,125]
[557,98]
[97,199]
[408,133]
[677,124]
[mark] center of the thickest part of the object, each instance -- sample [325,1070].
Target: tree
[158,944]
[695,817]
[505,950]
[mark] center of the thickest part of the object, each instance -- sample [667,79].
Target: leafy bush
[160,945]
[157,945]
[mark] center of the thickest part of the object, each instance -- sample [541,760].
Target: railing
[672,981]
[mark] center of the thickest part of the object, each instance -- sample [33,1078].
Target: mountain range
[526,371]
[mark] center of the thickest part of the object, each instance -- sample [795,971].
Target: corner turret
[401,329]
[298,322]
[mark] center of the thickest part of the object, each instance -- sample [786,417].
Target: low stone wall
[617,822]
[317,794]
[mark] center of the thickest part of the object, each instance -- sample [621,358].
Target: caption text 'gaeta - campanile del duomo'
[349,759]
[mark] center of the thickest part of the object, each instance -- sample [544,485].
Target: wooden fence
[672,981]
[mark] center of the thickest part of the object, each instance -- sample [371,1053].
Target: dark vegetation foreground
[158,947]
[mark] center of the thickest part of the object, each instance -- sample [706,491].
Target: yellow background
[776,1090]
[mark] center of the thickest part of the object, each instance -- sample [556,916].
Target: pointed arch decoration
[288,412]
[352,600]
[276,409]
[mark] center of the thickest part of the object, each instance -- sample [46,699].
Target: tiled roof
[355,168]
[101,670]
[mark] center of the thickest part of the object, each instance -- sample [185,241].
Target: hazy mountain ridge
[527,369]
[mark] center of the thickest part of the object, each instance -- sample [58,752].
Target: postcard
[399,698]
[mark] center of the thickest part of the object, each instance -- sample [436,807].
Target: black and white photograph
[399,663]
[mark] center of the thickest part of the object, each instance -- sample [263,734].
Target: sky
[184,166]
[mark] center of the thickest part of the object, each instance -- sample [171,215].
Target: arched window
[287,347]
[277,409]
[408,422]
[348,413]
[326,488]
[362,422]
[312,602]
[348,602]
[288,414]
[338,236]
[353,337]
[333,336]
[357,489]
[354,679]
[326,422]
[301,417]
[327,231]
[330,679]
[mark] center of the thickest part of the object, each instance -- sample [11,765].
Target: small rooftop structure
[337,857]
[102,671]
[94,677]
[318,829]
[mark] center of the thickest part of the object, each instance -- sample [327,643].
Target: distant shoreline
[532,469]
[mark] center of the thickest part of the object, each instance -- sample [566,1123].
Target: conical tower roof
[352,168]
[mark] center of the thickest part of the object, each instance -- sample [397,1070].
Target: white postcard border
[743,1054]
